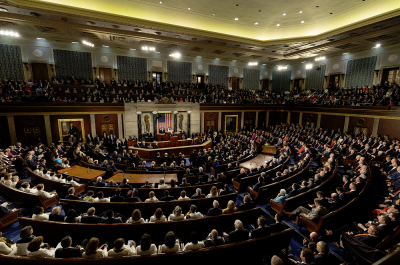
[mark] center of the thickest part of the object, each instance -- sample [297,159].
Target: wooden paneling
[310,118]
[106,119]
[239,114]
[369,123]
[332,122]
[389,127]
[105,74]
[250,120]
[277,117]
[210,120]
[294,117]
[29,128]
[40,72]
[5,139]
[54,124]
[261,119]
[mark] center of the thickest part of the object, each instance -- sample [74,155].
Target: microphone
[87,170]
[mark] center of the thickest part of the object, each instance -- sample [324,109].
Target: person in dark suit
[215,210]
[111,219]
[239,234]
[225,191]
[278,226]
[213,239]
[184,183]
[147,185]
[167,197]
[259,184]
[187,174]
[117,197]
[322,257]
[198,194]
[294,191]
[131,196]
[262,230]
[71,195]
[67,251]
[99,182]
[241,175]
[91,218]
[55,215]
[370,238]
[247,204]
[125,184]
[162,130]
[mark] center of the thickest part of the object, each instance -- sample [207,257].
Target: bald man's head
[276,260]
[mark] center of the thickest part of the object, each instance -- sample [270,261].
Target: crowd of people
[125,91]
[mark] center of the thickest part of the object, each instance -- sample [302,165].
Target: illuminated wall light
[217,59]
[284,14]
[145,48]
[40,38]
[175,55]
[309,66]
[282,68]
[199,56]
[132,49]
[301,12]
[320,58]
[160,2]
[88,43]
[75,42]
[278,25]
[105,46]
[236,18]
[302,22]
[256,23]
[253,63]
[9,33]
[377,45]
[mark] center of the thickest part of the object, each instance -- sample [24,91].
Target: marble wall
[146,108]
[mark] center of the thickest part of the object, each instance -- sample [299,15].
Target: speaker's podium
[173,139]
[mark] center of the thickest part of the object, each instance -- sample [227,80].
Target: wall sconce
[52,67]
[26,66]
[326,78]
[261,81]
[95,70]
[376,72]
[241,80]
[115,72]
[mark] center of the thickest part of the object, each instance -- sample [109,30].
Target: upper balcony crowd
[72,89]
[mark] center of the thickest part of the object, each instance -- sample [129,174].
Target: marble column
[11,128]
[267,119]
[139,124]
[300,118]
[288,118]
[202,122]
[346,124]
[375,127]
[93,125]
[155,119]
[48,130]
[319,121]
[242,121]
[220,121]
[120,131]
[175,121]
[189,135]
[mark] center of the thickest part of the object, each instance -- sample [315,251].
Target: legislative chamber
[199,132]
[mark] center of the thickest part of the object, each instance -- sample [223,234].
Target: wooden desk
[186,150]
[141,178]
[165,136]
[163,144]
[270,149]
[82,172]
[257,161]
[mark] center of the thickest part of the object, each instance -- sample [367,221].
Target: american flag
[164,120]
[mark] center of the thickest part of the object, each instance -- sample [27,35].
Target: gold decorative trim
[237,120]
[60,113]
[69,120]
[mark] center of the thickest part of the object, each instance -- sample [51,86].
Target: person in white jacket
[92,250]
[39,214]
[120,249]
[176,215]
[44,194]
[6,246]
[35,250]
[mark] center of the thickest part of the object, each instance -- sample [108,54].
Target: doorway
[390,75]
[31,135]
[334,80]
[105,75]
[298,82]
[40,71]
[235,83]
[265,84]
[157,76]
[107,128]
[200,80]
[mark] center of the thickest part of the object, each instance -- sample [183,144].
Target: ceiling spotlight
[282,67]
[302,22]
[105,46]
[284,14]
[264,64]
[2,9]
[40,38]
[157,52]
[217,59]
[256,23]
[88,43]
[301,12]
[189,8]
[213,14]
[320,58]
[278,25]
[160,2]
[309,66]
[234,61]
[236,18]
[175,55]
[74,42]
[253,63]
[345,53]
[199,56]
[132,49]
[378,45]
[9,33]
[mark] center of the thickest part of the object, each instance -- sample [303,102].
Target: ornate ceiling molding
[41,6]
